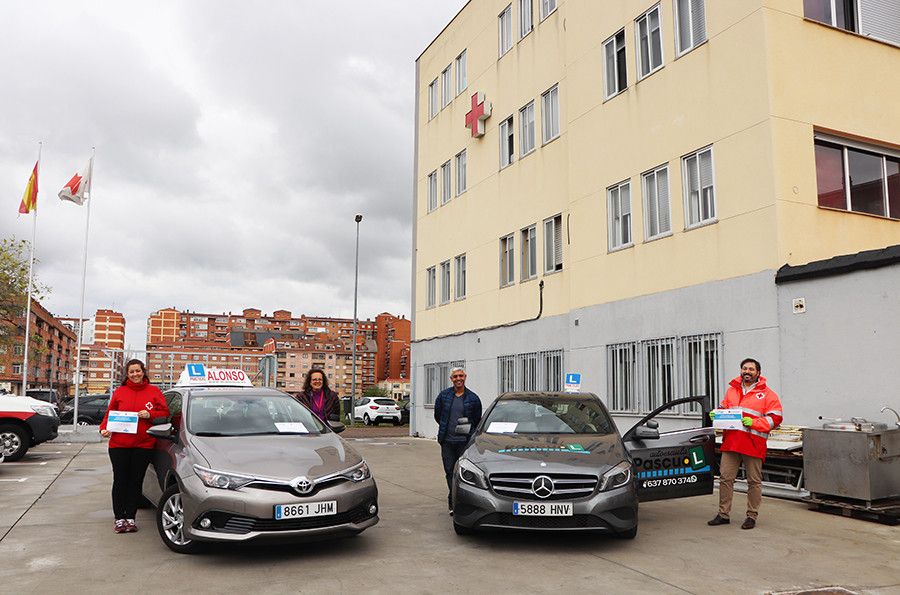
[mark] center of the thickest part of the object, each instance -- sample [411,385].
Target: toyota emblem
[542,486]
[302,485]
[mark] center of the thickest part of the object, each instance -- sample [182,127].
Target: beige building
[397,388]
[651,181]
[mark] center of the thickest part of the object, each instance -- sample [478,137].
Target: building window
[553,244]
[534,371]
[547,8]
[506,142]
[699,193]
[529,253]
[18,350]
[460,276]
[526,22]
[649,42]
[460,172]
[433,99]
[445,282]
[858,178]
[619,211]
[430,282]
[526,129]
[17,368]
[659,371]
[446,87]
[550,114]
[616,71]
[445,183]
[690,24]
[505,25]
[657,221]
[702,370]
[621,377]
[507,261]
[432,191]
[461,73]
[437,375]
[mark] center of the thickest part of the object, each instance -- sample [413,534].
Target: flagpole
[31,274]
[87,225]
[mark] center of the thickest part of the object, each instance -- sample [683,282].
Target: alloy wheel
[10,443]
[173,520]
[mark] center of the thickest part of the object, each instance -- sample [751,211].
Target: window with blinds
[432,191]
[430,282]
[460,277]
[461,73]
[504,23]
[553,244]
[526,129]
[460,172]
[690,24]
[446,87]
[616,70]
[433,99]
[699,190]
[879,19]
[648,42]
[445,182]
[526,21]
[550,114]
[657,218]
[437,377]
[445,281]
[506,142]
[529,253]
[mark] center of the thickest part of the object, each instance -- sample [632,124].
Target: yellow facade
[755,91]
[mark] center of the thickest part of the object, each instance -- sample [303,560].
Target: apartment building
[392,335]
[296,357]
[102,355]
[647,192]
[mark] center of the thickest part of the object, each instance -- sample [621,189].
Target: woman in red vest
[130,451]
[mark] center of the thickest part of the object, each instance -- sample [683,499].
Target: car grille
[224,522]
[578,521]
[566,486]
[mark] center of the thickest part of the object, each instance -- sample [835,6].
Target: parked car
[91,410]
[25,422]
[404,411]
[240,464]
[374,410]
[47,395]
[555,461]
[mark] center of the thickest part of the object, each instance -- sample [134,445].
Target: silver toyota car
[555,461]
[239,464]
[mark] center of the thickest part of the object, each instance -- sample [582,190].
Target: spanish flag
[29,199]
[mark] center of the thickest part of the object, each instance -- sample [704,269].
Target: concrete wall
[840,357]
[742,309]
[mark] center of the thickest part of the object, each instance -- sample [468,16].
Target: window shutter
[557,242]
[653,227]
[662,198]
[698,21]
[880,19]
[706,173]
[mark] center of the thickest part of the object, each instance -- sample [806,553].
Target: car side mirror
[652,423]
[646,432]
[336,427]
[164,431]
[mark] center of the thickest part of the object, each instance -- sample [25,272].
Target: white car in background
[375,410]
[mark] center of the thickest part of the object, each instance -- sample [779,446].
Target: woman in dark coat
[318,397]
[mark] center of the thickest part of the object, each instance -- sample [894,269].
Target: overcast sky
[235,142]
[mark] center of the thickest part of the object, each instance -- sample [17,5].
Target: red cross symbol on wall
[481,111]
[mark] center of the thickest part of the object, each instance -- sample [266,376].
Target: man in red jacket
[761,414]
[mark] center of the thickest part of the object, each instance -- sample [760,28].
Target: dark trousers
[450,453]
[129,466]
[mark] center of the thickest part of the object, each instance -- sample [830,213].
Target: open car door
[674,464]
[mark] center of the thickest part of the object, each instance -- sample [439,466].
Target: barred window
[621,365]
[437,378]
[533,371]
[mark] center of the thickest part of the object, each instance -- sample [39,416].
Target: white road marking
[17,463]
[17,480]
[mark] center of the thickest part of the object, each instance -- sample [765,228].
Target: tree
[14,255]
[376,392]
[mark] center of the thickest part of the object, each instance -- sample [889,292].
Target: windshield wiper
[205,434]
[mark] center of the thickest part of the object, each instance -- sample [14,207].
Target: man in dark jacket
[451,404]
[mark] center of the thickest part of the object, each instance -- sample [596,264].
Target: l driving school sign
[200,375]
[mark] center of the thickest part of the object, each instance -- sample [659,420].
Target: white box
[728,419]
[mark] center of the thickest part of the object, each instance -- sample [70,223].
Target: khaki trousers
[731,461]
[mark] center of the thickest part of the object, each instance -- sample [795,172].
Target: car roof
[231,391]
[544,395]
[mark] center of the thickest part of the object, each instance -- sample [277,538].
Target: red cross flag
[78,189]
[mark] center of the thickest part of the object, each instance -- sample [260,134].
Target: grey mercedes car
[239,464]
[555,461]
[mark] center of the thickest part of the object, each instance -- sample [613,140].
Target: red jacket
[763,406]
[134,397]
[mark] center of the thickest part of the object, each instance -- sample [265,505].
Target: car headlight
[358,473]
[616,477]
[470,473]
[44,410]
[225,481]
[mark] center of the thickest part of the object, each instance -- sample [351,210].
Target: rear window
[384,402]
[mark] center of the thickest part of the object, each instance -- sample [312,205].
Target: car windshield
[385,402]
[549,415]
[243,415]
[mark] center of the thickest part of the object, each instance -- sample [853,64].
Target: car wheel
[85,421]
[630,534]
[367,420]
[14,441]
[170,522]
[461,530]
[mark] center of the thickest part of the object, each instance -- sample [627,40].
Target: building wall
[837,357]
[109,329]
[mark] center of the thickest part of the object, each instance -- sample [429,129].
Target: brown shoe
[749,523]
[719,520]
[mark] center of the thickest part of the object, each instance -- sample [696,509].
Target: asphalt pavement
[56,537]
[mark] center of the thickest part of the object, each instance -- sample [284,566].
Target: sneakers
[130,526]
[748,523]
[120,526]
[718,520]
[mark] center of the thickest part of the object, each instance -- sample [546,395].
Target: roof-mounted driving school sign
[481,111]
[200,375]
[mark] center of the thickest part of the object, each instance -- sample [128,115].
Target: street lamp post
[358,218]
